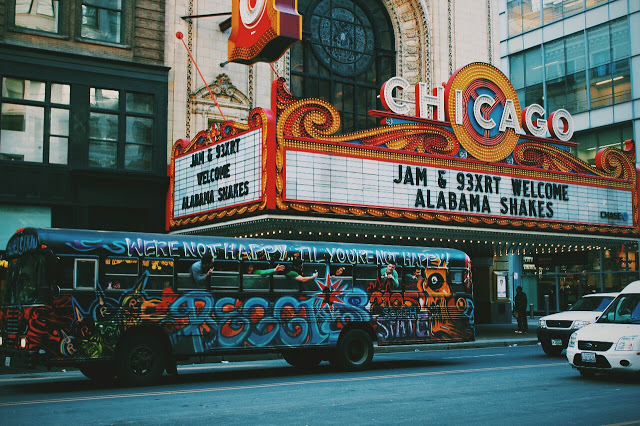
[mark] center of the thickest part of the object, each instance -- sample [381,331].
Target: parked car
[612,344]
[554,330]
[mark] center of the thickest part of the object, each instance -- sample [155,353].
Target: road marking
[474,356]
[275,385]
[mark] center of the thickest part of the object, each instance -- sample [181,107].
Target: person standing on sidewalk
[520,309]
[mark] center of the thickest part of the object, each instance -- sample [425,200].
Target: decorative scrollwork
[535,154]
[615,163]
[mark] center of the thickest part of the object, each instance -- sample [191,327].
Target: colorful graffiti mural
[198,322]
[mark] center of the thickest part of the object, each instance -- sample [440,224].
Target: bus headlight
[572,340]
[626,343]
[542,323]
[1,341]
[23,342]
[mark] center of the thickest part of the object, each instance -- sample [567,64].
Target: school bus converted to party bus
[127,305]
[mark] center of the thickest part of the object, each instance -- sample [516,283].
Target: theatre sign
[480,160]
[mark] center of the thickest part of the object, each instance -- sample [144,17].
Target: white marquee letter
[477,112]
[540,128]
[510,118]
[386,95]
[424,100]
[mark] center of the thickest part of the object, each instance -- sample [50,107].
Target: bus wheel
[141,360]
[102,373]
[355,350]
[304,360]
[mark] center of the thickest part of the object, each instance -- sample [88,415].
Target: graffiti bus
[127,305]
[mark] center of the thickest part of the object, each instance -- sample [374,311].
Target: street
[467,386]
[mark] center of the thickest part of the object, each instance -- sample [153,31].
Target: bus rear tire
[141,360]
[355,350]
[101,373]
[304,360]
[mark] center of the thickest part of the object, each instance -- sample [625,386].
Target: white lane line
[276,385]
[474,356]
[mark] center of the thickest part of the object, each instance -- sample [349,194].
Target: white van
[612,343]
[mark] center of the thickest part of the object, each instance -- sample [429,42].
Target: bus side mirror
[55,290]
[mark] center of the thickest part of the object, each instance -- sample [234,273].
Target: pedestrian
[201,271]
[520,310]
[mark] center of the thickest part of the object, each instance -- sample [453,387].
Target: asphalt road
[471,386]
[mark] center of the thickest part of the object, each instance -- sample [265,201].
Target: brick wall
[148,33]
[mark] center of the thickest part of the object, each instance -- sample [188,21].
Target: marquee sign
[481,160]
[262,30]
[220,172]
[371,182]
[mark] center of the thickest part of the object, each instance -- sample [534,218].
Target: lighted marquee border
[308,125]
[258,117]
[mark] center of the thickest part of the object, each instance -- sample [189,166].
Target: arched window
[347,52]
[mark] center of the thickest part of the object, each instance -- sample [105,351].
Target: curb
[484,343]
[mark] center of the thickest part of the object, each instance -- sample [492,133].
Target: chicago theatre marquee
[483,175]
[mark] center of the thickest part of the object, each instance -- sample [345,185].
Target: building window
[347,51]
[525,15]
[40,15]
[102,20]
[34,121]
[591,141]
[120,129]
[572,79]
[609,72]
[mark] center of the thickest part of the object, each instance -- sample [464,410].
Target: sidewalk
[487,336]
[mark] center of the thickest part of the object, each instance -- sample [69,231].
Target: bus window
[65,272]
[456,277]
[255,276]
[412,277]
[282,282]
[185,280]
[160,271]
[309,269]
[120,273]
[225,275]
[344,273]
[86,273]
[366,275]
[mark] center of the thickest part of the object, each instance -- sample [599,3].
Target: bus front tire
[102,373]
[303,360]
[355,350]
[141,360]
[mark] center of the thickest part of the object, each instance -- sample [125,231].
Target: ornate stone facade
[433,38]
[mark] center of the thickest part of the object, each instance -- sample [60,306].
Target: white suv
[554,330]
[612,344]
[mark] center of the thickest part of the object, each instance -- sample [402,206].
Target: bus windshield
[24,276]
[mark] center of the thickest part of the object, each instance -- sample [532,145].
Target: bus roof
[118,243]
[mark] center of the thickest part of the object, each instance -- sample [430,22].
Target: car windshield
[624,310]
[593,303]
[24,274]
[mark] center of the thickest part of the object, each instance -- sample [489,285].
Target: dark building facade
[83,115]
